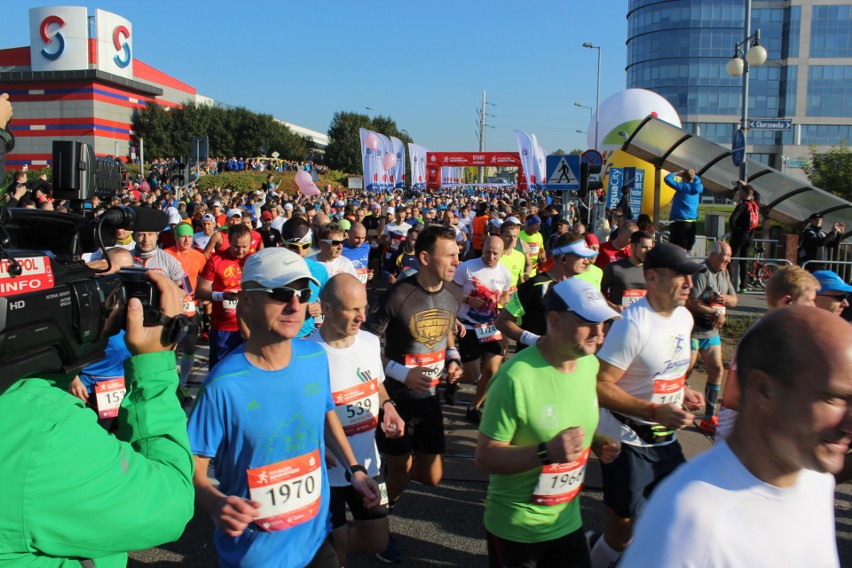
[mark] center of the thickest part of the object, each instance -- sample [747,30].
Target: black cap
[671,256]
[815,216]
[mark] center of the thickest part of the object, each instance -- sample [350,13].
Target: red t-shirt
[256,242]
[609,253]
[224,271]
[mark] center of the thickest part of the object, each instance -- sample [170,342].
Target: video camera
[56,313]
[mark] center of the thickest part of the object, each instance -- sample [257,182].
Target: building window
[829,90]
[831,31]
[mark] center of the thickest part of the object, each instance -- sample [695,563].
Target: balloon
[304,179]
[621,159]
[371,141]
[622,112]
[309,190]
[389,161]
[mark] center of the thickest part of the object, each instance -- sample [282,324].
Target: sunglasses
[334,243]
[835,297]
[298,246]
[284,293]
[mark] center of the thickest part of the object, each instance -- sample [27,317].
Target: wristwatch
[8,138]
[350,471]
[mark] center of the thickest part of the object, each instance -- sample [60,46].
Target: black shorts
[346,495]
[470,349]
[424,428]
[569,551]
[630,479]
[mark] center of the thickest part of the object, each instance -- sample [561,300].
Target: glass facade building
[679,49]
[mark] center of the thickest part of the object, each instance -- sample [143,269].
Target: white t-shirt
[654,352]
[712,512]
[356,373]
[338,265]
[478,280]
[201,240]
[396,233]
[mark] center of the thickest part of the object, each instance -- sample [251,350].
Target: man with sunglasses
[331,241]
[297,237]
[833,294]
[417,317]
[642,393]
[219,283]
[266,413]
[537,431]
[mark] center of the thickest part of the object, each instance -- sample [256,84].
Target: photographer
[6,138]
[70,490]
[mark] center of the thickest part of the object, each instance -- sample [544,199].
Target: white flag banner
[540,161]
[418,165]
[527,152]
[399,167]
[386,172]
[371,159]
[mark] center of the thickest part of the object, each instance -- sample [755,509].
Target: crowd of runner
[316,401]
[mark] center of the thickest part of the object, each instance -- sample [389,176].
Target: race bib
[108,397]
[358,407]
[560,482]
[487,332]
[533,248]
[630,297]
[289,491]
[189,306]
[668,391]
[383,489]
[318,320]
[230,305]
[363,275]
[434,362]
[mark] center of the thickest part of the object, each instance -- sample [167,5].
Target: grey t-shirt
[701,282]
[623,283]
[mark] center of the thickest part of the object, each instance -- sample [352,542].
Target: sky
[424,64]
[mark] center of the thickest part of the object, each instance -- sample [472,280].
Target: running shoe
[450,392]
[709,426]
[390,555]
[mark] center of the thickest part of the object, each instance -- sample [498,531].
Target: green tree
[155,125]
[831,171]
[558,152]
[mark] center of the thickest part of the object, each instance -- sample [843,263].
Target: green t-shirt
[515,261]
[593,275]
[530,402]
[535,242]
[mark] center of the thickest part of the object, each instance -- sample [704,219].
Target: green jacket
[70,490]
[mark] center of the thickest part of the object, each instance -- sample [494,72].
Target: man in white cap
[266,413]
[208,227]
[537,431]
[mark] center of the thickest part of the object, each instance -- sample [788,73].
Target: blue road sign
[563,172]
[592,157]
[770,124]
[738,147]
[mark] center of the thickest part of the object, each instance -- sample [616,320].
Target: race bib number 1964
[560,482]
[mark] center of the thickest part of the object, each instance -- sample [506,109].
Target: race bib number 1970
[289,491]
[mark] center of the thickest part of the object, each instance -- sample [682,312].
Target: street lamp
[588,45]
[747,53]
[581,105]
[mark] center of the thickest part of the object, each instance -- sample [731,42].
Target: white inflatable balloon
[622,112]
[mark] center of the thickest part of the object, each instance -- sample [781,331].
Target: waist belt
[648,433]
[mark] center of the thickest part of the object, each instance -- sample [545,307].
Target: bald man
[356,249]
[361,402]
[712,293]
[766,496]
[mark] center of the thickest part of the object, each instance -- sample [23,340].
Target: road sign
[634,178]
[563,172]
[592,157]
[770,124]
[738,147]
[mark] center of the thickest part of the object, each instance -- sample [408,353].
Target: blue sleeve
[205,427]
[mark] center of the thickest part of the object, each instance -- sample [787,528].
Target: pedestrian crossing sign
[563,172]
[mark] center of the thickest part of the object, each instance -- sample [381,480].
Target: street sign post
[738,147]
[592,157]
[563,172]
[760,124]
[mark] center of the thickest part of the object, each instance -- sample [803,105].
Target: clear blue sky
[424,64]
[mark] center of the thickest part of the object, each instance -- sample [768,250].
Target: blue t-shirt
[111,366]
[320,272]
[360,258]
[248,418]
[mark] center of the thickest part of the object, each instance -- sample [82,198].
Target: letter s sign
[121,46]
[48,39]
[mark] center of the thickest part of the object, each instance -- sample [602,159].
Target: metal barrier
[757,280]
[771,245]
[844,267]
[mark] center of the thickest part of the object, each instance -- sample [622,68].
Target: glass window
[831,31]
[829,90]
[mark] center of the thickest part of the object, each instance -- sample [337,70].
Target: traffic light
[177,175]
[586,184]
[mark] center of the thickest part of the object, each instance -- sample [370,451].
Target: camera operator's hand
[142,339]
[78,389]
[5,110]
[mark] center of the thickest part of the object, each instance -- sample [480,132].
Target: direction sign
[563,172]
[770,124]
[592,157]
[738,147]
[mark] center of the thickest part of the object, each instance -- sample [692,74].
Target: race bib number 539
[289,491]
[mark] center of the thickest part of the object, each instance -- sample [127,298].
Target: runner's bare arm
[613,397]
[335,439]
[507,325]
[231,513]
[493,456]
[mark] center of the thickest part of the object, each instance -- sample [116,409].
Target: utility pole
[482,115]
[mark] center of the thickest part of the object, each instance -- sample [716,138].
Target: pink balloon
[309,190]
[371,141]
[389,161]
[303,179]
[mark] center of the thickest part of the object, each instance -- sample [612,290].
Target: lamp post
[747,53]
[588,45]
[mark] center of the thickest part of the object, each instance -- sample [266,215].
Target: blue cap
[829,281]
[533,220]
